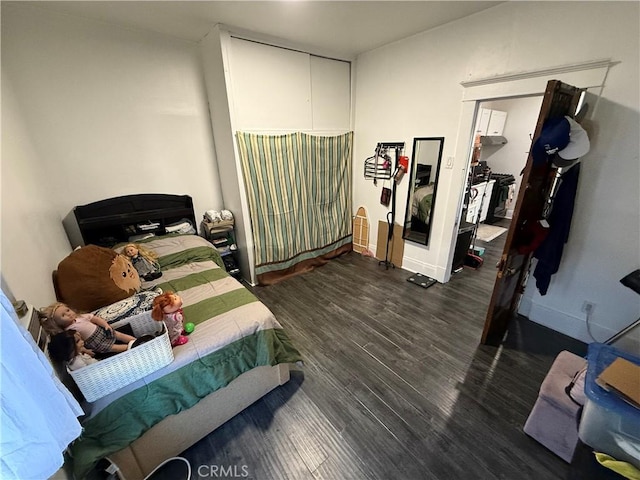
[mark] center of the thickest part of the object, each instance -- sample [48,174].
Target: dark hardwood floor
[395,384]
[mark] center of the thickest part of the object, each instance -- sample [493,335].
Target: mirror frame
[406,232]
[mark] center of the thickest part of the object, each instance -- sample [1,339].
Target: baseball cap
[577,147]
[555,136]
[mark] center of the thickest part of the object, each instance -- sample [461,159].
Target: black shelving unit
[222,237]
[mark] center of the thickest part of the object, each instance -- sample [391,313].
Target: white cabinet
[496,123]
[484,115]
[490,122]
[476,198]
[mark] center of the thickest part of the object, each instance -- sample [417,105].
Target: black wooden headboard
[114,220]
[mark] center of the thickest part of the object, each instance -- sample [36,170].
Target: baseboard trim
[574,327]
[417,266]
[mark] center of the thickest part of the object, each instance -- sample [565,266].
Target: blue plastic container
[609,424]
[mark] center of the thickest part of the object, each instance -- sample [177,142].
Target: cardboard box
[623,378]
[396,245]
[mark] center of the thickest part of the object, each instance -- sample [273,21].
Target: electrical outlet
[587,307]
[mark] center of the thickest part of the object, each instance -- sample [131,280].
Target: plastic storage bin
[609,424]
[112,373]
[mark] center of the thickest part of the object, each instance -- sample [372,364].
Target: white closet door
[330,93]
[271,87]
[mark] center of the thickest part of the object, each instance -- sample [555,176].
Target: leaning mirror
[421,199]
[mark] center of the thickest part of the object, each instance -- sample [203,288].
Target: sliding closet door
[271,87]
[330,94]
[281,90]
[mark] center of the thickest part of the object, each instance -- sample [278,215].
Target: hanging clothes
[549,253]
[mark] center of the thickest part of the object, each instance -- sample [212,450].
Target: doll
[167,308]
[145,261]
[97,334]
[68,348]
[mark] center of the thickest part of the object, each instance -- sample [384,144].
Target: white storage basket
[108,375]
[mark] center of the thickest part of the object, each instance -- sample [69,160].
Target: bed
[237,353]
[421,202]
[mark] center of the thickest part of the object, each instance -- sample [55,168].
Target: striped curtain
[299,194]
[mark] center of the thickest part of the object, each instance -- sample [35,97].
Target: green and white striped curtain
[299,194]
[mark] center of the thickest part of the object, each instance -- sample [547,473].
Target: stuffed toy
[92,277]
[145,261]
[167,308]
[96,333]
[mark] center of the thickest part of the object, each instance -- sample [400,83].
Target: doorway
[509,159]
[559,99]
[588,75]
[499,155]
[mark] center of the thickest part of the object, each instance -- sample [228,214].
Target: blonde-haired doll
[97,334]
[144,260]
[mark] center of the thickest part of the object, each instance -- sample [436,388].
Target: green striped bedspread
[234,333]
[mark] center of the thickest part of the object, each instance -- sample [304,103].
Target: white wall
[412,88]
[33,240]
[214,54]
[522,115]
[92,111]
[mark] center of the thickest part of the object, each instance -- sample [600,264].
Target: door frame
[587,75]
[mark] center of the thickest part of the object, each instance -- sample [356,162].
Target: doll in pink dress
[167,308]
[95,331]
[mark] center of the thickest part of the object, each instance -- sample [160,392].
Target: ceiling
[344,29]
